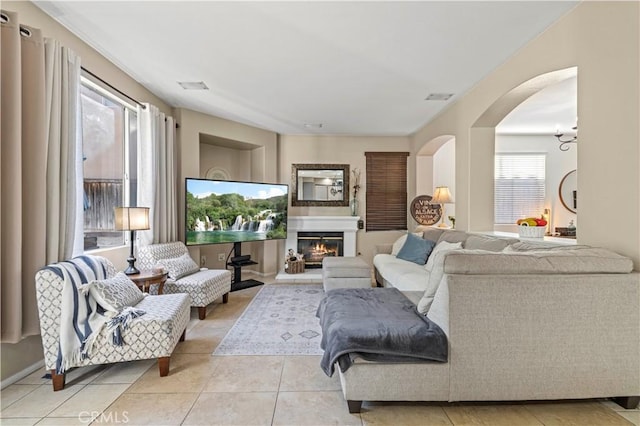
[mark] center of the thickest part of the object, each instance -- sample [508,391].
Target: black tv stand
[238,261]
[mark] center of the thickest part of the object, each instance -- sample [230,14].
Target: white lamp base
[442,224]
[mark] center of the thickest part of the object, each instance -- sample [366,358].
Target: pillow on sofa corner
[441,247]
[399,243]
[415,249]
[432,233]
[179,267]
[115,293]
[435,266]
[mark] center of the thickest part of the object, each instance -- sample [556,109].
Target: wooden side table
[145,279]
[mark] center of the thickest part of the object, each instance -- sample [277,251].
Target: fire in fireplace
[315,246]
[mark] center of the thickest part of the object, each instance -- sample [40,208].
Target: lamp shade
[132,218]
[442,195]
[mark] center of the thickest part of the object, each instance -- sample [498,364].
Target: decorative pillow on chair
[115,293]
[179,267]
[415,249]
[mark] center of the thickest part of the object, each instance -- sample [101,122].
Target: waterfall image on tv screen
[219,211]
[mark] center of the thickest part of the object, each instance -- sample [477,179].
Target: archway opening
[435,166]
[518,126]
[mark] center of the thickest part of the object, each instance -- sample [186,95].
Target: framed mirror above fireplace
[320,185]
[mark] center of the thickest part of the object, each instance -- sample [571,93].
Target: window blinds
[386,191]
[519,186]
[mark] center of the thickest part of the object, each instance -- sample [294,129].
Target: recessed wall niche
[226,159]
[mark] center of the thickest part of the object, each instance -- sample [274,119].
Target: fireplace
[316,245]
[346,225]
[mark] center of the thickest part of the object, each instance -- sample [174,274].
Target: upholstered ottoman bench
[345,272]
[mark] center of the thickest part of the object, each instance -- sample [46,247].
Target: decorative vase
[353,204]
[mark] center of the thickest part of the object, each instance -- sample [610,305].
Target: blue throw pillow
[415,249]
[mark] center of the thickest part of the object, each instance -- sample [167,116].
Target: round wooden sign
[424,212]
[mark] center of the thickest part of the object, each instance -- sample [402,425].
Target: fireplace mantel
[346,224]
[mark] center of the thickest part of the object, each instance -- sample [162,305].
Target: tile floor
[252,390]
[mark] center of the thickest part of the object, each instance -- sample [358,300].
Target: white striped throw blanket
[81,318]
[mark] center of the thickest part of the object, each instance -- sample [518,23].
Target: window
[109,136]
[519,186]
[386,192]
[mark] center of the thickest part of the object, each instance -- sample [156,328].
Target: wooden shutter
[386,194]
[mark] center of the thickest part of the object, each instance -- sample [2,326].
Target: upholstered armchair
[90,314]
[185,276]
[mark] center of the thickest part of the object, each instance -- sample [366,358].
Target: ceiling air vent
[438,97]
[193,85]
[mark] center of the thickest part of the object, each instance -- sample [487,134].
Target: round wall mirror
[568,191]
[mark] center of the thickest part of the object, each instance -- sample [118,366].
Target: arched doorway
[435,166]
[527,135]
[482,145]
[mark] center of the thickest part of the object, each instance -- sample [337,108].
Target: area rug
[280,320]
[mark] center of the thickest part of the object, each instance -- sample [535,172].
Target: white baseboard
[22,374]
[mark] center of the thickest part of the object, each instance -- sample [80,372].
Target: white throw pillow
[116,293]
[442,246]
[435,266]
[178,267]
[400,243]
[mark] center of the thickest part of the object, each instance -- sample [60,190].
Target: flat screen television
[220,211]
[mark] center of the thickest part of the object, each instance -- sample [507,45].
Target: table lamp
[132,219]
[441,196]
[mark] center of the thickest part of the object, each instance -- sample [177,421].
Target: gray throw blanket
[379,324]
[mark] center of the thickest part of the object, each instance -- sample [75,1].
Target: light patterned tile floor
[251,390]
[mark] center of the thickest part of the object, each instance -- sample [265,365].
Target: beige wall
[23,355]
[235,162]
[345,150]
[603,40]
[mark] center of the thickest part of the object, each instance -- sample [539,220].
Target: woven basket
[294,267]
[531,231]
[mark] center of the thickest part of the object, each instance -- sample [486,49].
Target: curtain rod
[112,87]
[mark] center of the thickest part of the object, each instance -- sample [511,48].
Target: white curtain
[34,110]
[64,153]
[157,173]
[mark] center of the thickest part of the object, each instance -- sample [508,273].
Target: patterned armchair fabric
[203,286]
[152,335]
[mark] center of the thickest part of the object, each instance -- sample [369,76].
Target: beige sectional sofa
[524,322]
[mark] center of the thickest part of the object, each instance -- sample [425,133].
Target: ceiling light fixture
[193,85]
[313,125]
[564,143]
[438,97]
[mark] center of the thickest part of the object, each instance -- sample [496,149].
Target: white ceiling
[359,68]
